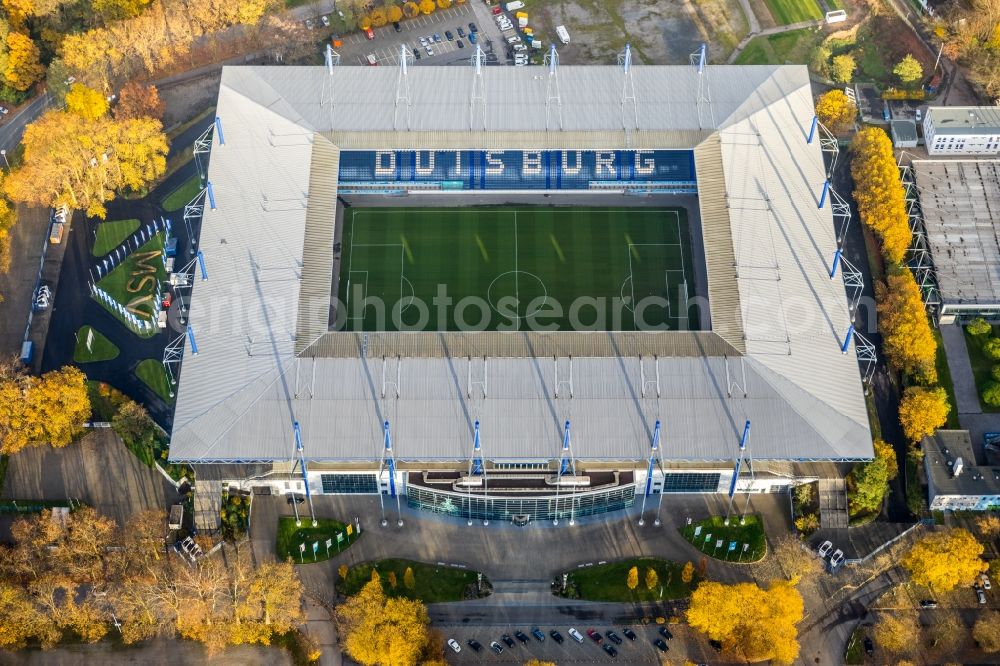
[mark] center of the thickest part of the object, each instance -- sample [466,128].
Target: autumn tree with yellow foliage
[632,579]
[376,629]
[71,160]
[922,411]
[907,339]
[86,102]
[39,411]
[945,560]
[898,633]
[24,68]
[755,623]
[878,191]
[836,111]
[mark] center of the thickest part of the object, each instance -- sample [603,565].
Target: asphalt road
[12,130]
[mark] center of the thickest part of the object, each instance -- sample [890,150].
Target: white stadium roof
[773,354]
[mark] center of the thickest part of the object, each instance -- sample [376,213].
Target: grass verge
[151,373]
[944,379]
[137,272]
[101,349]
[182,195]
[609,582]
[290,537]
[792,47]
[982,364]
[111,234]
[713,530]
[793,11]
[855,653]
[431,583]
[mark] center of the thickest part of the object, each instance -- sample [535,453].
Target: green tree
[843,68]
[868,483]
[632,581]
[979,326]
[992,348]
[908,70]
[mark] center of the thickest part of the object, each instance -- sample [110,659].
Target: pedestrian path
[770,31]
[964,381]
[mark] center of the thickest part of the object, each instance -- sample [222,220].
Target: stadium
[518,293]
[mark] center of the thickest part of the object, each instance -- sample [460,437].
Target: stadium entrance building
[645,253]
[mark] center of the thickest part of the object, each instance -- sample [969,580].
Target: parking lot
[385,47]
[642,650]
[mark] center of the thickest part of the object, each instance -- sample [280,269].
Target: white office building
[962,130]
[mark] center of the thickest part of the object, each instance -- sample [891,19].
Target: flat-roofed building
[954,480]
[962,130]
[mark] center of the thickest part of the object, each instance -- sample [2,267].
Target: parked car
[595,636]
[986,582]
[575,634]
[473,28]
[716,645]
[295,499]
[396,26]
[556,636]
[369,33]
[537,633]
[613,637]
[508,640]
[453,644]
[461,31]
[473,37]
[659,643]
[423,41]
[610,649]
[460,44]
[980,595]
[437,37]
[449,35]
[325,20]
[310,24]
[521,636]
[474,644]
[497,10]
[666,633]
[629,634]
[429,50]
[496,647]
[928,603]
[416,54]
[869,646]
[824,548]
[836,558]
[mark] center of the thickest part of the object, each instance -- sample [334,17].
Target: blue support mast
[300,451]
[739,464]
[388,463]
[654,453]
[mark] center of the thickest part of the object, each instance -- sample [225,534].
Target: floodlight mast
[628,86]
[653,454]
[478,87]
[389,463]
[552,96]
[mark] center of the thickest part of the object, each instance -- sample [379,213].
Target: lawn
[290,537]
[855,653]
[793,47]
[793,11]
[130,281]
[431,583]
[183,195]
[712,531]
[519,267]
[101,349]
[608,582]
[944,379]
[111,234]
[151,373]
[981,365]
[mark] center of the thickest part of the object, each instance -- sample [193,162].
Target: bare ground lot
[661,33]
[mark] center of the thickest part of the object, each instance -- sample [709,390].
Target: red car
[497,10]
[369,34]
[595,636]
[168,298]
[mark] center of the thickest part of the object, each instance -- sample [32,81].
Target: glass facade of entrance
[549,507]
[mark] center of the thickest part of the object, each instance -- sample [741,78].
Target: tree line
[908,341]
[83,576]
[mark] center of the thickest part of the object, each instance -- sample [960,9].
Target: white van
[563,34]
[575,634]
[514,6]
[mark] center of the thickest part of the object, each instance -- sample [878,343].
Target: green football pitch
[482,268]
